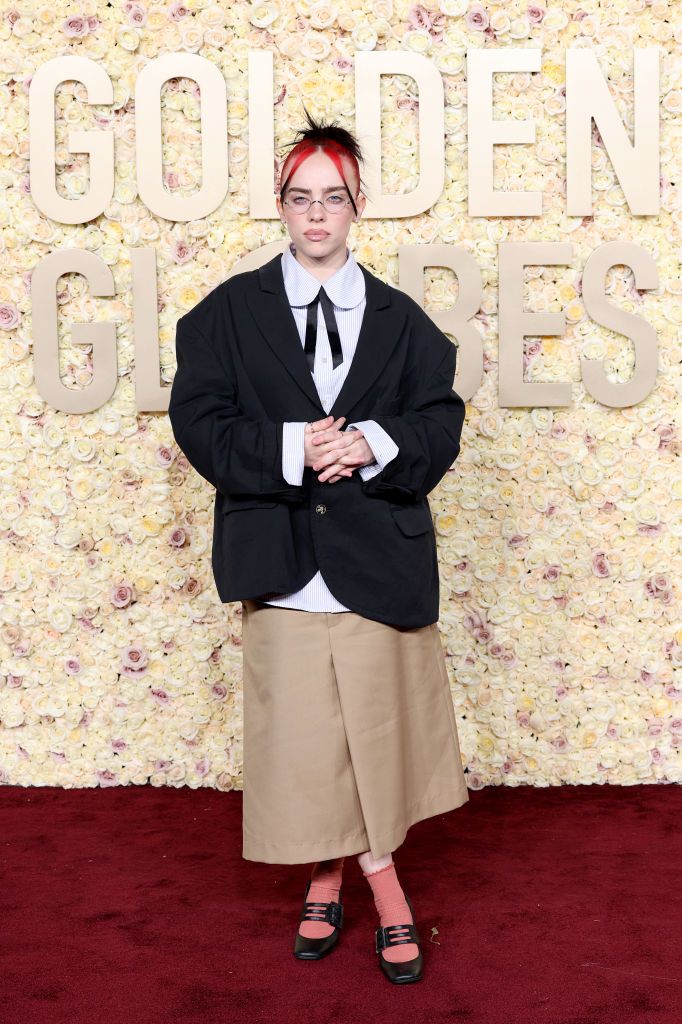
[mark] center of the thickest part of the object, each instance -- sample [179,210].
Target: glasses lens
[298,203]
[333,203]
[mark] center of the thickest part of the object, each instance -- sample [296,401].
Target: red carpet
[128,905]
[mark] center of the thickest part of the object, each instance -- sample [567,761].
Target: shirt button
[321,509]
[324,359]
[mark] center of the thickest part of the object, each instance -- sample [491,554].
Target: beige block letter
[102,336]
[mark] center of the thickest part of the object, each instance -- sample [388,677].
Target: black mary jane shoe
[397,935]
[306,948]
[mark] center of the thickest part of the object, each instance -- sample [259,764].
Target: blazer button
[321,509]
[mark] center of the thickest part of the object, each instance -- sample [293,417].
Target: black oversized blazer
[242,373]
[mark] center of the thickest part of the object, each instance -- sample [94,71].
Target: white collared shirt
[346,290]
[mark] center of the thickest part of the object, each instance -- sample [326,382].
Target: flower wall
[559,530]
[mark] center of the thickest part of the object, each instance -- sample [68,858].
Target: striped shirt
[346,290]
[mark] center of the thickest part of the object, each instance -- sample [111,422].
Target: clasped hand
[333,450]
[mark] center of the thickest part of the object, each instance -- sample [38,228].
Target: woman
[323,531]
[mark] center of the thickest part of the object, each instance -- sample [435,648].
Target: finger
[341,471]
[345,454]
[328,459]
[328,476]
[321,424]
[327,432]
[346,437]
[328,470]
[335,424]
[328,454]
[335,472]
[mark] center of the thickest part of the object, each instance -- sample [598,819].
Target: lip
[316,236]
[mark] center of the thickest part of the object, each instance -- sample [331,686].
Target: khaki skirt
[349,734]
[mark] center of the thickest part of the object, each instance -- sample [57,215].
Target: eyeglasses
[333,203]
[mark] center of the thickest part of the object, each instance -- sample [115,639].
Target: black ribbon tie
[332,330]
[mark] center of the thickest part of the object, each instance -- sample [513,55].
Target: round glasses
[333,203]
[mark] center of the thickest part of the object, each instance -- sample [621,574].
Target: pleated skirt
[350,734]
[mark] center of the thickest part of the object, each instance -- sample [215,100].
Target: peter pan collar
[346,287]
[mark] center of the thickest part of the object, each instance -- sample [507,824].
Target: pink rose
[535,14]
[666,433]
[342,65]
[418,17]
[177,11]
[650,530]
[476,18]
[165,456]
[178,537]
[181,251]
[135,13]
[134,661]
[9,316]
[600,564]
[106,778]
[75,26]
[123,595]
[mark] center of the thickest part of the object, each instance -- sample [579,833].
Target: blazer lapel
[379,334]
[272,313]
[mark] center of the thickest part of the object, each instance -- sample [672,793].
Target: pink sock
[393,909]
[325,882]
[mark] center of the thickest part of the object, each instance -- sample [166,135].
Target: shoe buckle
[395,935]
[330,912]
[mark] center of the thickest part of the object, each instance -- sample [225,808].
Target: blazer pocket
[412,519]
[235,504]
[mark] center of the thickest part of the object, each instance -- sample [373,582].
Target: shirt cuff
[382,444]
[293,452]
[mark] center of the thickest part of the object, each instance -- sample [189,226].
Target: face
[319,235]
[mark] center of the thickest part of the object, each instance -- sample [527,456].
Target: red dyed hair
[331,139]
[333,150]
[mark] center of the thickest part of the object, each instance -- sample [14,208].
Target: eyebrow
[330,188]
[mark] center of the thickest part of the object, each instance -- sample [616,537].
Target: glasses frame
[334,210]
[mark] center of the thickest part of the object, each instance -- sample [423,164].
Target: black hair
[319,131]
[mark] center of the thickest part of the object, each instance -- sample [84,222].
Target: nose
[317,210]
